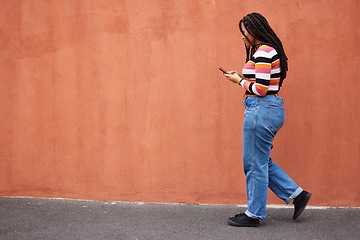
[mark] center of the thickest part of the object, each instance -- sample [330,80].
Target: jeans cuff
[294,195]
[250,215]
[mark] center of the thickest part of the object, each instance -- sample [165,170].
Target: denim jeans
[264,116]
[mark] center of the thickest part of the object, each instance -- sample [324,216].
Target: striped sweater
[262,72]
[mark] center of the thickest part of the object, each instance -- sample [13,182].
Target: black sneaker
[300,203]
[241,220]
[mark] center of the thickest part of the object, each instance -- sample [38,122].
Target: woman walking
[261,77]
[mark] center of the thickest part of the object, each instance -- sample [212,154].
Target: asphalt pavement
[32,218]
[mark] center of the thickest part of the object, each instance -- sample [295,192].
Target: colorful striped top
[262,72]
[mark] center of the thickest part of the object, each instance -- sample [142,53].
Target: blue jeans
[264,116]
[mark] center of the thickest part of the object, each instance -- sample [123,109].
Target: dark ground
[30,218]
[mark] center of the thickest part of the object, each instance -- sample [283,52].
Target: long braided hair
[259,28]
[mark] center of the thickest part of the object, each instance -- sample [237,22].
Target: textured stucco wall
[122,99]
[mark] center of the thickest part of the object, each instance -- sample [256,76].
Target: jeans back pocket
[275,117]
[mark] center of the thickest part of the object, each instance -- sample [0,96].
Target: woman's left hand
[233,76]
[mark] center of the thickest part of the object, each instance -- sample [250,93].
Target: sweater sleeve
[262,60]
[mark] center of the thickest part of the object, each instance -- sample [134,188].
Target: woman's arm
[262,76]
[261,65]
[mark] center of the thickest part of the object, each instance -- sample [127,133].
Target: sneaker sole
[307,199]
[234,224]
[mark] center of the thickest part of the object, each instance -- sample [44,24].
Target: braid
[259,28]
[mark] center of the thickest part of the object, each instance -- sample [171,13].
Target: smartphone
[225,72]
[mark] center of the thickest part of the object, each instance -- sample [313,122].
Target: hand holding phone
[231,75]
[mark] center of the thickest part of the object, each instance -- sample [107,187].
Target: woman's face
[248,36]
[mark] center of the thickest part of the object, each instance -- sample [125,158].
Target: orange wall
[122,100]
